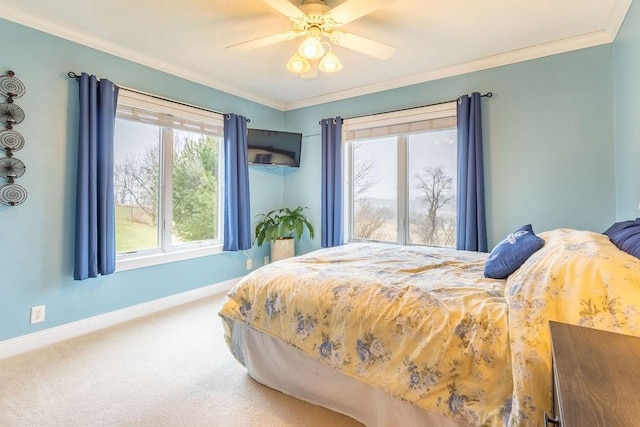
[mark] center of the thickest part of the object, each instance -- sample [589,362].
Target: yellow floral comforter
[424,325]
[578,277]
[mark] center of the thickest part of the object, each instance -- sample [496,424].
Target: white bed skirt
[280,366]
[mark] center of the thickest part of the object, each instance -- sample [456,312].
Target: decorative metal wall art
[11,168]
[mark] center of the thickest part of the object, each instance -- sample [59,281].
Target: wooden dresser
[596,377]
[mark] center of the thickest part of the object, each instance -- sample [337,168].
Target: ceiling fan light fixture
[330,63]
[298,64]
[311,48]
[317,25]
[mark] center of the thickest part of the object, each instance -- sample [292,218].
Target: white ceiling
[434,39]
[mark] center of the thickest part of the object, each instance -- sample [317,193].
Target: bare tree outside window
[403,179]
[368,218]
[136,186]
[436,188]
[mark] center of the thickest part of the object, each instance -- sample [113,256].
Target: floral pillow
[512,252]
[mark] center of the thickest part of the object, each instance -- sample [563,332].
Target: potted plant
[281,227]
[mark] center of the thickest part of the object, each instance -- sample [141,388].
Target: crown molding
[618,14]
[20,16]
[520,55]
[604,36]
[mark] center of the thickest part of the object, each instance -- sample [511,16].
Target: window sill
[130,263]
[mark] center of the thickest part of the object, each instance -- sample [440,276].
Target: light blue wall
[37,236]
[549,159]
[627,113]
[548,135]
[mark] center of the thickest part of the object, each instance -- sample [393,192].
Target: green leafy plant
[282,224]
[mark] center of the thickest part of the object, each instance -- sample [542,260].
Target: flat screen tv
[271,147]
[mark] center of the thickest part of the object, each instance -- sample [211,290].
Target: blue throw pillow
[619,226]
[512,252]
[628,238]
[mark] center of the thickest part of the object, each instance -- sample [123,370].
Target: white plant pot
[282,248]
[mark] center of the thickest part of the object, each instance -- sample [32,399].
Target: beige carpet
[169,369]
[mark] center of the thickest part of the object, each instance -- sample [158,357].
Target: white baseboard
[28,342]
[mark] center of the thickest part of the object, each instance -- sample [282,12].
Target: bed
[384,333]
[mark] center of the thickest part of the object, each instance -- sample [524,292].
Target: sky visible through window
[425,150]
[133,139]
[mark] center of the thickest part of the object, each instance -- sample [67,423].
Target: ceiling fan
[319,25]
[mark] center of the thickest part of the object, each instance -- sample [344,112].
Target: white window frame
[399,117]
[157,256]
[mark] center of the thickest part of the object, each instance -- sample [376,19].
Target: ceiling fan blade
[286,8]
[351,10]
[263,41]
[362,44]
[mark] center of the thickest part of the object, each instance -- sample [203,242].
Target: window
[167,181]
[401,171]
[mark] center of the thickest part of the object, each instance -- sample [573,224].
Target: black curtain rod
[486,95]
[73,75]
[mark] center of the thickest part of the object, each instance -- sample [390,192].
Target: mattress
[277,365]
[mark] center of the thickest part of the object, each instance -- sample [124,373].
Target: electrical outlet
[266,259]
[37,314]
[249,264]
